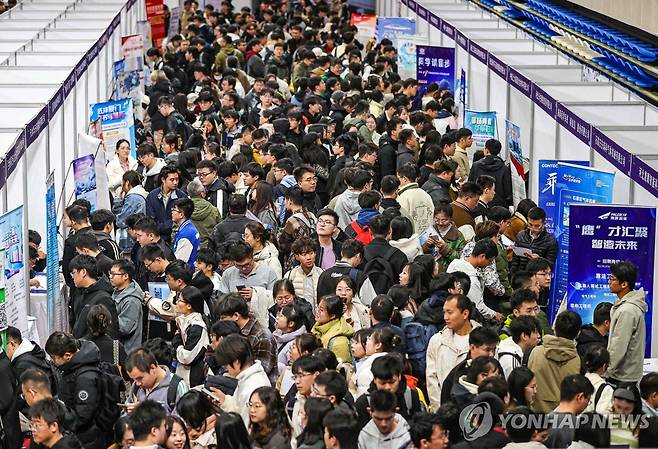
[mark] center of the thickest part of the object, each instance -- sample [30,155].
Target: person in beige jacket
[449,347]
[554,360]
[464,141]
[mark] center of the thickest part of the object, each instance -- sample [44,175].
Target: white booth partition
[544,93]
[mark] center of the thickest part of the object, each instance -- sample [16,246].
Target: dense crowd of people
[306,254]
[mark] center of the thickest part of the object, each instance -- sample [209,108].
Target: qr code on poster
[3,316]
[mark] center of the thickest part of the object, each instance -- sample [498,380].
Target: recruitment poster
[600,235]
[366,25]
[392,27]
[547,175]
[52,255]
[406,57]
[155,16]
[84,175]
[575,184]
[117,122]
[516,161]
[14,271]
[482,124]
[434,65]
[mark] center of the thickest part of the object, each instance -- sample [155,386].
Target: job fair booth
[57,61]
[581,146]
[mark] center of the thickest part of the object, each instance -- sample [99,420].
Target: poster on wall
[601,235]
[13,301]
[117,122]
[575,184]
[88,145]
[547,177]
[84,176]
[129,74]
[155,16]
[406,57]
[435,65]
[174,22]
[392,27]
[52,258]
[366,24]
[482,124]
[516,160]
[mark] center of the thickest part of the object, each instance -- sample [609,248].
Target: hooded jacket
[370,437]
[204,217]
[494,166]
[604,397]
[100,292]
[410,246]
[269,256]
[82,395]
[588,337]
[463,392]
[68,441]
[404,156]
[438,189]
[218,193]
[335,336]
[347,207]
[129,310]
[443,355]
[552,362]
[151,175]
[510,355]
[430,311]
[406,395]
[107,245]
[225,52]
[190,346]
[133,203]
[248,380]
[627,337]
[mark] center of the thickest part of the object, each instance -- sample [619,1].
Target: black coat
[9,391]
[363,402]
[438,189]
[69,441]
[588,338]
[544,245]
[68,254]
[36,358]
[98,293]
[233,224]
[378,248]
[387,156]
[495,167]
[82,396]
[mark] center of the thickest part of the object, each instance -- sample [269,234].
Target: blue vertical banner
[547,175]
[482,124]
[52,253]
[516,160]
[392,27]
[601,235]
[575,184]
[435,64]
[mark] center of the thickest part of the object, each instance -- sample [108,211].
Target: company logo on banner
[547,175]
[601,235]
[13,302]
[117,122]
[482,124]
[575,184]
[392,27]
[517,161]
[434,65]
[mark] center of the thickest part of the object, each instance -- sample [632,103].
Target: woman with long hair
[414,277]
[199,414]
[99,321]
[256,236]
[356,313]
[231,432]
[522,387]
[121,163]
[176,433]
[269,425]
[180,105]
[261,204]
[404,239]
[311,416]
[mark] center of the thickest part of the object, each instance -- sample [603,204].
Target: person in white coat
[449,347]
[234,353]
[121,163]
[265,252]
[526,333]
[191,339]
[596,362]
[379,343]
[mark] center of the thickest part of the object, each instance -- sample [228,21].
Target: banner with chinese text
[601,235]
[52,255]
[366,25]
[155,16]
[547,175]
[117,122]
[482,124]
[392,27]
[13,279]
[435,64]
[516,160]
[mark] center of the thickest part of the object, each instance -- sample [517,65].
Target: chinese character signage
[155,15]
[547,175]
[435,64]
[482,124]
[392,27]
[13,275]
[601,235]
[516,160]
[52,257]
[575,184]
[117,122]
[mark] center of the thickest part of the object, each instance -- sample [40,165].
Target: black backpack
[183,128]
[110,389]
[380,272]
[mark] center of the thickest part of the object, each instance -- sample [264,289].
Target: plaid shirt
[263,346]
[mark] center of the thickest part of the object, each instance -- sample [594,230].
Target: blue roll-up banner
[575,184]
[482,124]
[435,64]
[52,256]
[392,27]
[547,175]
[117,122]
[601,235]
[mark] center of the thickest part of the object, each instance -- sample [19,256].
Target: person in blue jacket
[187,239]
[160,201]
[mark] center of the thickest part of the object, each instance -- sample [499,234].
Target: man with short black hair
[86,244]
[555,359]
[575,391]
[46,423]
[492,165]
[649,393]
[387,427]
[464,139]
[429,431]
[305,370]
[160,201]
[347,205]
[217,188]
[597,332]
[406,148]
[464,206]
[187,240]
[525,333]
[232,227]
[147,422]
[341,430]
[76,217]
[379,247]
[102,222]
[536,238]
[128,297]
[149,165]
[439,181]
[488,185]
[414,202]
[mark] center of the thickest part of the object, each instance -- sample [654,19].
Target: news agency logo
[476,420]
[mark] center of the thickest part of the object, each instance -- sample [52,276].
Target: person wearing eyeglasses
[536,238]
[430,431]
[128,297]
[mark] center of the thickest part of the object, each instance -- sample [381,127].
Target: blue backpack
[418,337]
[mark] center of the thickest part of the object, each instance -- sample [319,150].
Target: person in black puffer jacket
[541,242]
[9,391]
[161,88]
[78,360]
[491,164]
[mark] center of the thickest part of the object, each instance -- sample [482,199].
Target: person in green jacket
[524,303]
[332,328]
[227,49]
[205,215]
[443,239]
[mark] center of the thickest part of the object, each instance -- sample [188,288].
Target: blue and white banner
[117,122]
[547,175]
[516,160]
[392,27]
[52,257]
[482,124]
[575,184]
[14,275]
[434,65]
[601,235]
